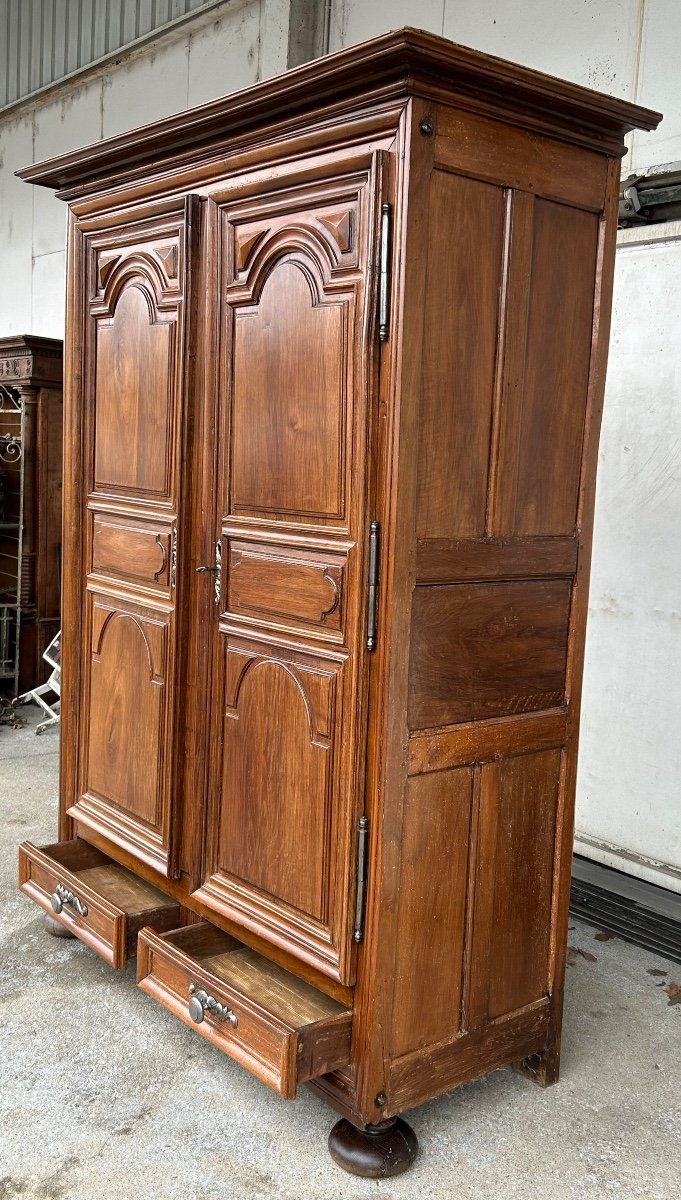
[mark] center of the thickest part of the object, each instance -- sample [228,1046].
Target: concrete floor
[104,1094]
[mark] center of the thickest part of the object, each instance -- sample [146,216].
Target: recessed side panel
[515,856]
[459,354]
[542,421]
[431,914]
[482,650]
[523,880]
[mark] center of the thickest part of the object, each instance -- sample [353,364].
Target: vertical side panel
[546,369]
[459,350]
[512,914]
[431,909]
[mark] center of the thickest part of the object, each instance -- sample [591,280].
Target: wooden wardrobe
[31,421]
[334,373]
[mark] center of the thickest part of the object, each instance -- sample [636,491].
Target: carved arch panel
[276,837]
[295,276]
[125,768]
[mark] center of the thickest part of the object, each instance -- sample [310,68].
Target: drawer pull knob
[61,896]
[200,1003]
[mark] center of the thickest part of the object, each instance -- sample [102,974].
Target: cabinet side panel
[431,909]
[518,955]
[552,404]
[459,341]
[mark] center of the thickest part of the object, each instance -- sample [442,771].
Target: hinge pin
[372,601]
[384,275]
[362,832]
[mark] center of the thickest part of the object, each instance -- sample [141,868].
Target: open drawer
[93,897]
[283,1030]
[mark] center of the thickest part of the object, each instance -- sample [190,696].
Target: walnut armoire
[334,373]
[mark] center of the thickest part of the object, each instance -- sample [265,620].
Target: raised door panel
[128,676]
[135,435]
[133,423]
[289,401]
[289,678]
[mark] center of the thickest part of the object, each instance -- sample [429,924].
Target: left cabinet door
[137,272]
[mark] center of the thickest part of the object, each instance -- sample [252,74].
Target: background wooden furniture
[30,506]
[335,370]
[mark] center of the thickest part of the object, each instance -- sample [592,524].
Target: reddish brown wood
[30,514]
[487,650]
[280,1028]
[224,726]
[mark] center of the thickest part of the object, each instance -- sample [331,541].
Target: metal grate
[41,41]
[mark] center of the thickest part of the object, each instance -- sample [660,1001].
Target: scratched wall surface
[628,808]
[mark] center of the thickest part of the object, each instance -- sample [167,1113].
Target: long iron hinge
[372,600]
[384,274]
[363,831]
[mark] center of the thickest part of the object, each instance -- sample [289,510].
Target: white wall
[629,785]
[630,762]
[628,810]
[237,44]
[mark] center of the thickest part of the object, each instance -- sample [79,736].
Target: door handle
[215,570]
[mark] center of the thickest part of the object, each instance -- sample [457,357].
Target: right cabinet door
[287,757]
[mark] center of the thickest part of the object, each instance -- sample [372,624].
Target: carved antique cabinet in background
[30,506]
[335,369]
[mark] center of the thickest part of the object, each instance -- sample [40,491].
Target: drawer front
[95,899]
[101,927]
[294,588]
[280,1028]
[265,1046]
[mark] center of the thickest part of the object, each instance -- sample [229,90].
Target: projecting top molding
[387,69]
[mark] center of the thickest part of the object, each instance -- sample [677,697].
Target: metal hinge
[384,274]
[363,830]
[372,599]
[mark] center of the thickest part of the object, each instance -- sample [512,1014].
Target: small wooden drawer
[282,1030]
[93,897]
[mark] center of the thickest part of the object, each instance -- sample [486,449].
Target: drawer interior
[283,1030]
[294,1002]
[93,897]
[111,881]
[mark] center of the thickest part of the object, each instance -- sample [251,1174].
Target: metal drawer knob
[61,896]
[200,1003]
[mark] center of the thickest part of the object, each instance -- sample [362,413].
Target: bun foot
[55,927]
[375,1152]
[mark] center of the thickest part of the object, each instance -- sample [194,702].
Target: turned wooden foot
[55,927]
[375,1152]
